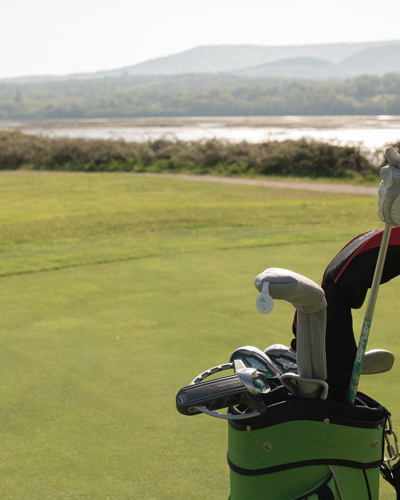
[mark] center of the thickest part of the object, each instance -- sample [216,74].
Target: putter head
[377,361]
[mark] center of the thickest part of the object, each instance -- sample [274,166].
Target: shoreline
[284,121]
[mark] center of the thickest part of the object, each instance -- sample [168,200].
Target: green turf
[50,221]
[116,291]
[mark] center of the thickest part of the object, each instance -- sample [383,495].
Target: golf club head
[218,393]
[283,356]
[244,389]
[255,381]
[377,361]
[252,357]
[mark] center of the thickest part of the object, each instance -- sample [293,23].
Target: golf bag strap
[392,476]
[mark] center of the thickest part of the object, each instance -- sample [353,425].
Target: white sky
[40,37]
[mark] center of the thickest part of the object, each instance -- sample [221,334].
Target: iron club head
[377,361]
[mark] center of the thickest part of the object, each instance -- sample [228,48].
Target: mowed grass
[51,221]
[116,291]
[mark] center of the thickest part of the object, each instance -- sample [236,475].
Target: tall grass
[304,157]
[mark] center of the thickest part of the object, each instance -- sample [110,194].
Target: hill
[373,61]
[377,61]
[233,58]
[310,68]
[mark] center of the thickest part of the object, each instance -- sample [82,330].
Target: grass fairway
[116,291]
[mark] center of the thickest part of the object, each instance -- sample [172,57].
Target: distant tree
[201,95]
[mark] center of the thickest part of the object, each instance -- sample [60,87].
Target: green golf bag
[284,444]
[308,449]
[323,449]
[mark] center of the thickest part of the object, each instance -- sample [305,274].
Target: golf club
[283,356]
[375,361]
[394,160]
[252,357]
[243,388]
[309,300]
[253,380]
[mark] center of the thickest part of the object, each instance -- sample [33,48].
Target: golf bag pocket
[308,449]
[324,490]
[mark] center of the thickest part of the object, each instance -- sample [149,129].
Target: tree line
[198,95]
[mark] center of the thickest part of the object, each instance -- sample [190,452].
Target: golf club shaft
[355,376]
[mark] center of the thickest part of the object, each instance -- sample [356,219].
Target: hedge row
[303,157]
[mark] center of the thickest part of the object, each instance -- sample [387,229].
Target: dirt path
[309,186]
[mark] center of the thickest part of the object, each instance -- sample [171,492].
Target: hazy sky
[59,37]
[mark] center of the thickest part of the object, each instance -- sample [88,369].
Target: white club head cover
[389,190]
[301,292]
[305,387]
[309,300]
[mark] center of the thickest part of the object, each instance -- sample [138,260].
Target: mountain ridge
[235,59]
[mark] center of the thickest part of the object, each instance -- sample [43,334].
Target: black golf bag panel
[353,267]
[346,281]
[308,449]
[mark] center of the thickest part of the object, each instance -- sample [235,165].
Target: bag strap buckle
[393,451]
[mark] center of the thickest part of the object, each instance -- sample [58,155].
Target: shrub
[304,157]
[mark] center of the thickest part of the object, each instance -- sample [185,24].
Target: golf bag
[285,447]
[322,449]
[308,449]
